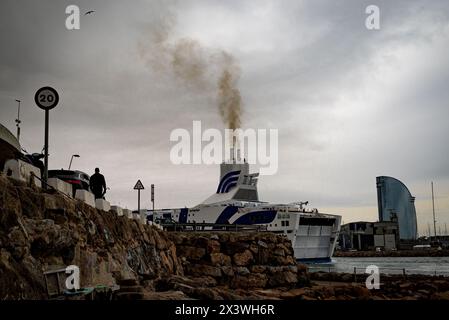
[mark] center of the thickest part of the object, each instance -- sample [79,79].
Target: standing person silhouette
[98,184]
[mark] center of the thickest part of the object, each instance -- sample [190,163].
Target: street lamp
[73,156]
[18,121]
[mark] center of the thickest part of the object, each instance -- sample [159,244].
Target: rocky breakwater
[44,231]
[41,231]
[239,260]
[344,286]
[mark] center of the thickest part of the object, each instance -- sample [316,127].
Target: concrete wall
[21,170]
[128,213]
[61,186]
[118,210]
[143,216]
[86,197]
[102,204]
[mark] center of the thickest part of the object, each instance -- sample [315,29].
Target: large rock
[361,292]
[227,271]
[441,296]
[282,279]
[213,246]
[220,259]
[176,282]
[252,280]
[203,270]
[191,252]
[258,269]
[167,295]
[243,259]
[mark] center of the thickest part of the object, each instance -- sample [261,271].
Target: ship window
[285,223]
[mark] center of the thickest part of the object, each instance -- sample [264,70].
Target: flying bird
[89,12]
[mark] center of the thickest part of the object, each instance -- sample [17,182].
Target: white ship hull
[313,234]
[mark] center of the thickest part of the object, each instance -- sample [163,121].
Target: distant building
[395,203]
[364,236]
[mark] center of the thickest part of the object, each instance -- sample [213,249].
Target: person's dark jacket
[98,184]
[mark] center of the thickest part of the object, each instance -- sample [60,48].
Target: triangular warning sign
[139,185]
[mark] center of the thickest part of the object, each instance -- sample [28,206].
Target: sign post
[46,98]
[139,186]
[152,196]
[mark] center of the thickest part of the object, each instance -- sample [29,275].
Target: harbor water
[387,265]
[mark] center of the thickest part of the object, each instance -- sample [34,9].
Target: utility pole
[433,210]
[152,196]
[18,121]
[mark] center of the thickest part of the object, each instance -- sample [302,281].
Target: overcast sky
[349,103]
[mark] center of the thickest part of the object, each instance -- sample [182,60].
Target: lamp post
[71,159]
[18,121]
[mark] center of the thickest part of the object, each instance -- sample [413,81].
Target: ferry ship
[236,202]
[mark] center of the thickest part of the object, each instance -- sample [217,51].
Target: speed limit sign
[46,98]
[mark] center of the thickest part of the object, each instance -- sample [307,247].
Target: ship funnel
[234,152]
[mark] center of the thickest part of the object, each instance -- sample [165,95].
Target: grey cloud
[349,103]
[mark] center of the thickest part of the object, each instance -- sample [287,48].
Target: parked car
[78,179]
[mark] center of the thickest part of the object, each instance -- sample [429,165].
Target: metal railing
[207,227]
[385,271]
[33,176]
